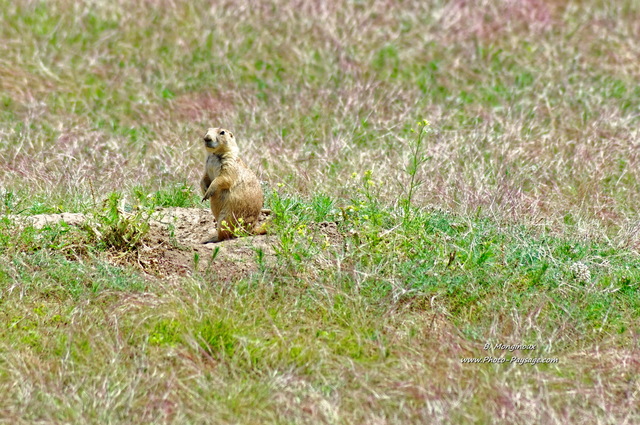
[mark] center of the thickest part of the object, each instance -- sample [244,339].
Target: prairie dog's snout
[210,137]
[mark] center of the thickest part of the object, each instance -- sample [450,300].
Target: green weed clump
[180,195]
[113,228]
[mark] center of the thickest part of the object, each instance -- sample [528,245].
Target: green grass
[399,247]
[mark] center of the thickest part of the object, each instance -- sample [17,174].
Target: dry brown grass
[534,112]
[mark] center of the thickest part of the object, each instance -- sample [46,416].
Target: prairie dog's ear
[230,134]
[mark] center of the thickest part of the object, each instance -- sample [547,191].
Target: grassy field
[444,177]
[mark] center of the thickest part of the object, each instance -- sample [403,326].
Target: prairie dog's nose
[207,137]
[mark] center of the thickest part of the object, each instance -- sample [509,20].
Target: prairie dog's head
[220,141]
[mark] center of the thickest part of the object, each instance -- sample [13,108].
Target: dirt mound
[173,245]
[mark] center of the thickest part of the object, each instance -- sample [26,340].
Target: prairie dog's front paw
[208,194]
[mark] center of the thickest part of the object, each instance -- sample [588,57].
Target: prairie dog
[230,186]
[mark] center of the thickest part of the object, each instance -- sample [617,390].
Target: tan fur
[232,188]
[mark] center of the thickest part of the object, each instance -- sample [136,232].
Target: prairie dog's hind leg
[225,229]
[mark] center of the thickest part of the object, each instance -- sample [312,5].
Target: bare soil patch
[173,247]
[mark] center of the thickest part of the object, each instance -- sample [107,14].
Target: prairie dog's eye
[222,133]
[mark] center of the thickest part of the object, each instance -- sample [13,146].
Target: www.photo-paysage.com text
[512,360]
